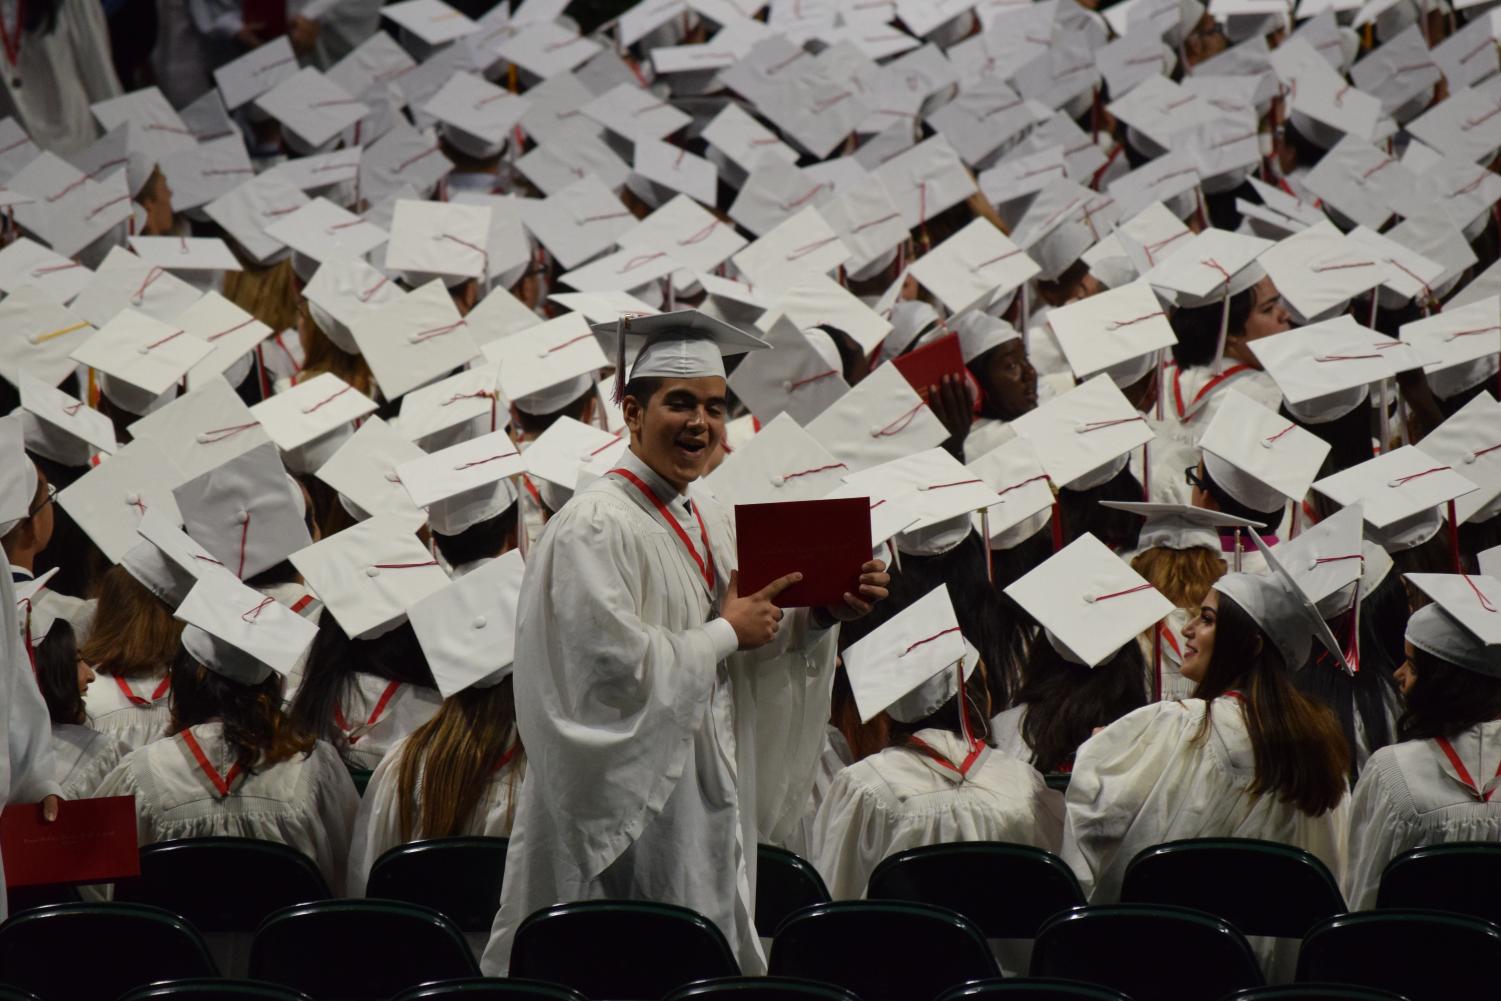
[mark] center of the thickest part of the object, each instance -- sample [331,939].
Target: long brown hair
[268,294]
[1300,752]
[133,634]
[1445,699]
[453,756]
[254,724]
[323,355]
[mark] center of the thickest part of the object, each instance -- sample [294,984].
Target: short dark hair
[1198,328]
[482,539]
[1446,699]
[643,388]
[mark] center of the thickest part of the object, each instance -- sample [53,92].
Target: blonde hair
[268,294]
[1184,576]
[452,758]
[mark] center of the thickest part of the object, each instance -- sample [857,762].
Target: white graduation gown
[1146,779]
[377,826]
[61,74]
[835,758]
[1006,733]
[365,744]
[27,771]
[84,757]
[1410,794]
[111,713]
[899,799]
[657,757]
[1185,385]
[307,803]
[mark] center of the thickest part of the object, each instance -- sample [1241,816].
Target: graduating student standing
[657,754]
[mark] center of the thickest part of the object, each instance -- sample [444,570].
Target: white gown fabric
[61,74]
[366,744]
[657,757]
[307,803]
[377,826]
[111,713]
[1186,384]
[900,799]
[27,771]
[1149,778]
[835,758]
[1410,794]
[84,757]
[1006,733]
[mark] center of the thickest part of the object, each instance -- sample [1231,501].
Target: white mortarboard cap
[1090,600]
[464,484]
[601,307]
[555,163]
[414,340]
[1304,607]
[934,489]
[781,462]
[744,140]
[623,270]
[61,428]
[247,77]
[693,237]
[240,634]
[342,289]
[363,471]
[1111,328]
[980,332]
[817,110]
[510,250]
[1400,484]
[1211,266]
[1170,178]
[635,113]
[555,109]
[1470,442]
[67,211]
[402,158]
[312,109]
[1063,221]
[126,280]
[1459,336]
[1309,363]
[1324,109]
[320,231]
[247,512]
[477,116]
[1082,435]
[1401,73]
[40,336]
[578,222]
[972,267]
[774,191]
[247,211]
[146,109]
[1435,237]
[309,412]
[442,240]
[546,49]
[1258,456]
[369,574]
[1468,56]
[26,262]
[1320,269]
[18,482]
[1408,275]
[498,315]
[16,148]
[467,630]
[322,171]
[803,244]
[879,420]
[981,119]
[1180,526]
[142,358]
[120,149]
[668,169]
[1462,626]
[109,500]
[188,256]
[166,560]
[822,302]
[432,21]
[869,224]
[685,344]
[1276,606]
[1360,182]
[1327,559]
[202,430]
[792,378]
[926,180]
[557,454]
[552,354]
[1279,214]
[445,412]
[1024,493]
[909,665]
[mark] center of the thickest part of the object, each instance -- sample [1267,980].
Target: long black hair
[1066,701]
[1446,699]
[1082,512]
[57,674]
[333,661]
[1198,328]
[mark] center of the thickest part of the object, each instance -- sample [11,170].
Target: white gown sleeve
[86,24]
[335,801]
[377,826]
[1376,832]
[28,726]
[852,833]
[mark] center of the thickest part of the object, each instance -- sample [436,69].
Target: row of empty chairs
[934,908]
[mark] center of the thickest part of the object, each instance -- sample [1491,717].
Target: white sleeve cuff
[722,635]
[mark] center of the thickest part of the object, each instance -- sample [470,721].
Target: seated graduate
[131,645]
[1436,785]
[938,781]
[1248,756]
[84,756]
[459,773]
[234,765]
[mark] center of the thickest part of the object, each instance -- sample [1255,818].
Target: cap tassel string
[1480,595]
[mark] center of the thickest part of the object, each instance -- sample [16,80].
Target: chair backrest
[1422,955]
[1121,946]
[214,989]
[868,946]
[1460,877]
[224,884]
[128,945]
[1314,992]
[785,882]
[1008,890]
[1032,989]
[459,877]
[625,950]
[358,950]
[8,993]
[489,989]
[760,989]
[1228,877]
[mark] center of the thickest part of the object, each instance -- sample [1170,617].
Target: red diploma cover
[828,541]
[91,841]
[267,18]
[930,363]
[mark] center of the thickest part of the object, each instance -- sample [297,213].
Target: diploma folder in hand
[91,841]
[927,365]
[827,541]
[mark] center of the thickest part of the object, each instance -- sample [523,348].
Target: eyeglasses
[1191,477]
[51,494]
